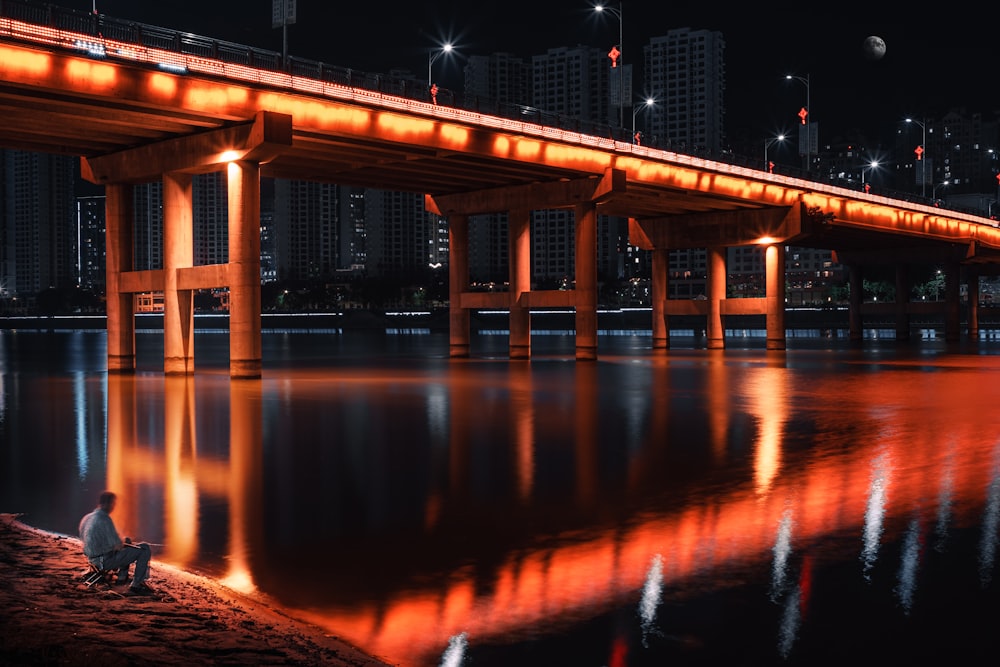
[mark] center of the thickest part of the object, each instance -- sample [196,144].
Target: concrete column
[458,282]
[716,295]
[856,297]
[519,226]
[659,286]
[244,270]
[586,281]
[118,213]
[178,253]
[774,296]
[903,286]
[952,305]
[973,289]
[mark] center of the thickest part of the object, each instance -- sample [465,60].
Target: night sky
[938,57]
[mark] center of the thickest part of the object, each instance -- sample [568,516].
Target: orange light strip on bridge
[704,175]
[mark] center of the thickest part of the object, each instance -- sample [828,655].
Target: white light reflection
[455,653]
[945,502]
[782,549]
[652,594]
[80,417]
[790,620]
[908,567]
[874,513]
[991,518]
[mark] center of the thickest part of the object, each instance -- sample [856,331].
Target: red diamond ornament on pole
[802,114]
[613,54]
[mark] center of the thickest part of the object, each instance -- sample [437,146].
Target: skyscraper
[38,231]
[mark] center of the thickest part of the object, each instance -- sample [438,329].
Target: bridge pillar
[178,253]
[774,296]
[716,295]
[660,293]
[244,270]
[855,298]
[903,286]
[973,289]
[458,282]
[952,307]
[118,258]
[586,281]
[519,224]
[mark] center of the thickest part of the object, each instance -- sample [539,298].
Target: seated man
[106,550]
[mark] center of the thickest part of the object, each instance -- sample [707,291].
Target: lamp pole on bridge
[871,166]
[433,58]
[805,114]
[648,102]
[767,144]
[922,156]
[619,60]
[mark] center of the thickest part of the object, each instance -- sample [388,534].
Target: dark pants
[121,560]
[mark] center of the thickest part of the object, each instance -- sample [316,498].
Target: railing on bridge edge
[155,37]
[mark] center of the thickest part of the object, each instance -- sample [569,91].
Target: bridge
[137,106]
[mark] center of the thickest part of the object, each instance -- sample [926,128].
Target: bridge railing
[396,84]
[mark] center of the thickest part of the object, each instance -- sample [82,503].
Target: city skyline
[932,64]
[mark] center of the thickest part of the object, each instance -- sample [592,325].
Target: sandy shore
[49,617]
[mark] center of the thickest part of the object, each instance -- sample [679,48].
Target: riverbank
[48,616]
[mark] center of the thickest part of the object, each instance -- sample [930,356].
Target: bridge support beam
[244,270]
[519,223]
[660,293]
[903,286]
[716,296]
[118,259]
[178,254]
[774,293]
[586,281]
[459,327]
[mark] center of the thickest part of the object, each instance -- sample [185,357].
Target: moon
[874,47]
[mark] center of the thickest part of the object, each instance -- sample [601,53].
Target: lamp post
[805,119]
[923,156]
[868,167]
[434,55]
[648,102]
[935,188]
[767,144]
[617,13]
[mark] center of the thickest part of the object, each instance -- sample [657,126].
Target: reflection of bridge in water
[139,110]
[930,470]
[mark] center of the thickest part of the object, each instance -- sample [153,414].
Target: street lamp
[767,144]
[434,55]
[923,156]
[936,186]
[648,102]
[805,118]
[617,13]
[868,167]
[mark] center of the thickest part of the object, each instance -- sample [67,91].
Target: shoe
[122,582]
[140,589]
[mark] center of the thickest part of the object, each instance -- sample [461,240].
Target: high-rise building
[38,229]
[403,239]
[685,73]
[90,222]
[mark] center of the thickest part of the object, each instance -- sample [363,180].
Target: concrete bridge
[138,113]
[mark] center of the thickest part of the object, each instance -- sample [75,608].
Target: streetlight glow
[767,144]
[433,57]
[868,167]
[806,119]
[617,13]
[648,102]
